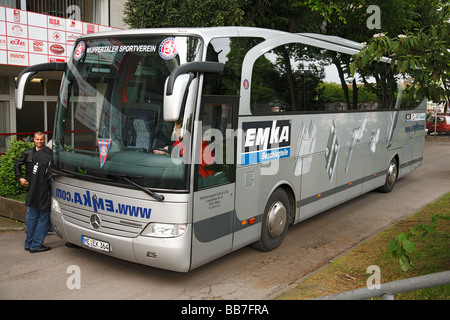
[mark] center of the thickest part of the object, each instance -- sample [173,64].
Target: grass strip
[349,272]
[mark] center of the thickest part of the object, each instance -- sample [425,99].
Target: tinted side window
[301,78]
[231,52]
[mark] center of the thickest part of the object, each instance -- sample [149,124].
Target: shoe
[41,249]
[27,249]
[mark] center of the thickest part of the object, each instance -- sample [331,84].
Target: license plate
[95,244]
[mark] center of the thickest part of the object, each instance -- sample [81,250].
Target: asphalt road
[245,274]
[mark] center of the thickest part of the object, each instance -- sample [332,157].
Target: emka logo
[265,141]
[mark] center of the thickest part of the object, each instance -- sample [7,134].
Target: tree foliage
[186,13]
[402,246]
[334,17]
[413,33]
[9,185]
[422,55]
[342,18]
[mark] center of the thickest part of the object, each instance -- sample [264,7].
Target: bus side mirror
[21,85]
[25,75]
[176,87]
[174,102]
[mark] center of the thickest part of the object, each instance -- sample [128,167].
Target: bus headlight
[55,206]
[164,230]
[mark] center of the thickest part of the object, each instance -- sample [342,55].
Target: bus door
[214,179]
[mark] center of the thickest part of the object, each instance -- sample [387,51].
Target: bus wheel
[391,176]
[275,221]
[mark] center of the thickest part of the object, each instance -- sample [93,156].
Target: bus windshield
[109,123]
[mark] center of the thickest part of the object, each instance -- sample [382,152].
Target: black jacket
[25,159]
[39,194]
[39,179]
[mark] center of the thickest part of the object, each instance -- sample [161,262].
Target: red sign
[54,22]
[17,16]
[56,60]
[57,49]
[79,50]
[38,46]
[168,49]
[28,38]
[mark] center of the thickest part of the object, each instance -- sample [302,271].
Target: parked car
[442,124]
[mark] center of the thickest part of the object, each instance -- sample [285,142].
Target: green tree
[286,15]
[342,18]
[9,185]
[422,55]
[186,13]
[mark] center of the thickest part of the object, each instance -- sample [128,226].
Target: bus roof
[335,40]
[350,47]
[206,33]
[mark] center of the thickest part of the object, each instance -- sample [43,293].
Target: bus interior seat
[139,128]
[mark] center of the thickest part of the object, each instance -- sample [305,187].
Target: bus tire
[275,221]
[391,176]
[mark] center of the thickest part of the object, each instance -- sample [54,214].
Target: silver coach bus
[173,147]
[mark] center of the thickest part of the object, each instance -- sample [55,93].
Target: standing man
[38,162]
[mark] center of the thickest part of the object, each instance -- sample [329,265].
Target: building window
[30,118]
[38,111]
[4,85]
[35,87]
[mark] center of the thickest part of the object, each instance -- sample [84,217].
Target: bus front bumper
[165,253]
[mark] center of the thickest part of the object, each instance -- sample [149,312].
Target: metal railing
[387,290]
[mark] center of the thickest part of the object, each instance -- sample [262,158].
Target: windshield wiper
[154,195]
[147,191]
[78,174]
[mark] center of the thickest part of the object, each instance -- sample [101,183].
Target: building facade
[40,31]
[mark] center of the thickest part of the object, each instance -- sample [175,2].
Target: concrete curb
[12,229]
[13,209]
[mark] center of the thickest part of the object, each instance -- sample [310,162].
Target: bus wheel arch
[275,220]
[391,175]
[292,202]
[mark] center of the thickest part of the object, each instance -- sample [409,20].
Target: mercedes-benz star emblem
[95,221]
